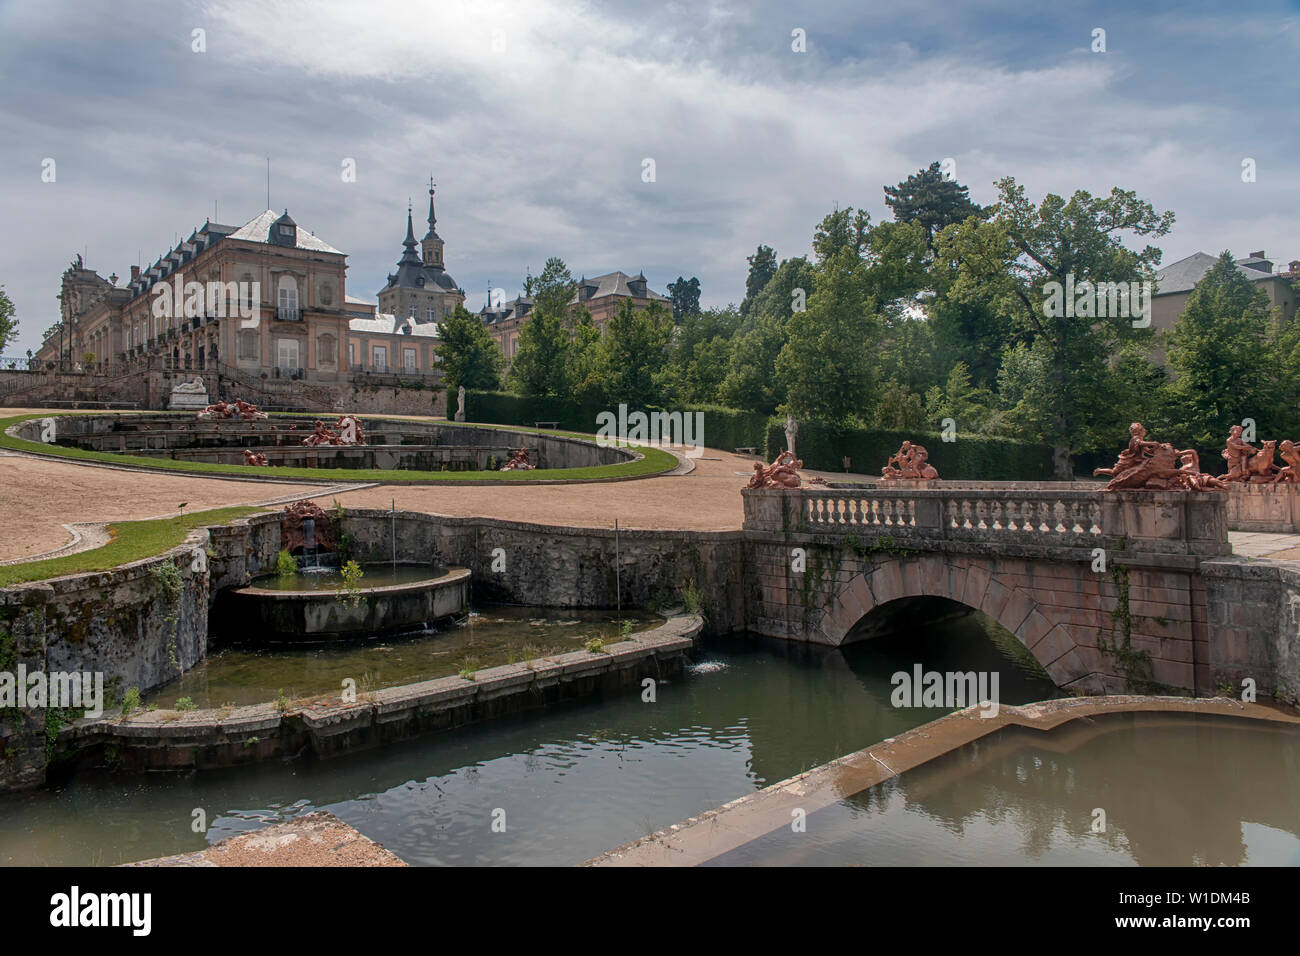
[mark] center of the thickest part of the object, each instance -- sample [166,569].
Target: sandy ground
[707,499]
[37,497]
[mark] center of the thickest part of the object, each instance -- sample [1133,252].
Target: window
[286,353]
[409,360]
[411,314]
[430,314]
[352,353]
[288,298]
[381,357]
[250,347]
[325,351]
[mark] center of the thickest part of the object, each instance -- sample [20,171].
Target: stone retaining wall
[183,740]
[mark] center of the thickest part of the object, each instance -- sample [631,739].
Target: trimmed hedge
[725,428]
[966,459]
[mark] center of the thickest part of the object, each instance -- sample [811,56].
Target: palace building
[602,296]
[265,300]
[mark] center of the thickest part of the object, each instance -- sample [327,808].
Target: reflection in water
[1177,790]
[574,780]
[492,635]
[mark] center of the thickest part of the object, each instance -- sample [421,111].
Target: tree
[1217,350]
[540,363]
[1011,262]
[685,295]
[928,198]
[635,353]
[8,324]
[554,289]
[467,353]
[701,354]
[969,406]
[762,266]
[845,228]
[750,382]
[826,364]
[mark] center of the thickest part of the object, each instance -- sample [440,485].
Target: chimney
[1258,255]
[135,273]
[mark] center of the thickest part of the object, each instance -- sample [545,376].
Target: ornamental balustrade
[1041,517]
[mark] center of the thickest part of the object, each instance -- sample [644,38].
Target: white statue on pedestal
[791,430]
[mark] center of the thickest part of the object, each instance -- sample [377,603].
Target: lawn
[654,461]
[132,541]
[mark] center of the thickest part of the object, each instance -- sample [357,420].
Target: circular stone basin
[314,605]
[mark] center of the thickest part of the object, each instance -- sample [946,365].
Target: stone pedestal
[189,396]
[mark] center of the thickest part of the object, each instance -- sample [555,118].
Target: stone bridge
[1111,592]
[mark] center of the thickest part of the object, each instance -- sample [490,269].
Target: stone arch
[1070,662]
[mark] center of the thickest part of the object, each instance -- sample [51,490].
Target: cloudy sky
[535,118]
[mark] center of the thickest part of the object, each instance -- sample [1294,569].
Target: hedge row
[725,428]
[966,459]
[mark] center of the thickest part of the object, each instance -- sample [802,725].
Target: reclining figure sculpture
[518,462]
[244,411]
[349,432]
[782,473]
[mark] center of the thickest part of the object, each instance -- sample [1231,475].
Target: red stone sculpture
[518,462]
[1156,466]
[240,409]
[321,435]
[911,463]
[349,432]
[1248,464]
[291,531]
[782,473]
[1289,475]
[254,458]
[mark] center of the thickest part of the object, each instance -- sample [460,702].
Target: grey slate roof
[258,229]
[1182,276]
[614,283]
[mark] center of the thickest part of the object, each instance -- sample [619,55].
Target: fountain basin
[314,606]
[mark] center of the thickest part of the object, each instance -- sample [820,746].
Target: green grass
[132,541]
[653,462]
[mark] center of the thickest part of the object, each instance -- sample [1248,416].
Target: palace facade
[602,296]
[266,300]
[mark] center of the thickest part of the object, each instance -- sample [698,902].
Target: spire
[433,220]
[408,244]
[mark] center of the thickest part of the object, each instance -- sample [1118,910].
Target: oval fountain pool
[322,605]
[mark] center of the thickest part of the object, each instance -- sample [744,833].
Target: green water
[500,634]
[574,781]
[373,576]
[1175,789]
